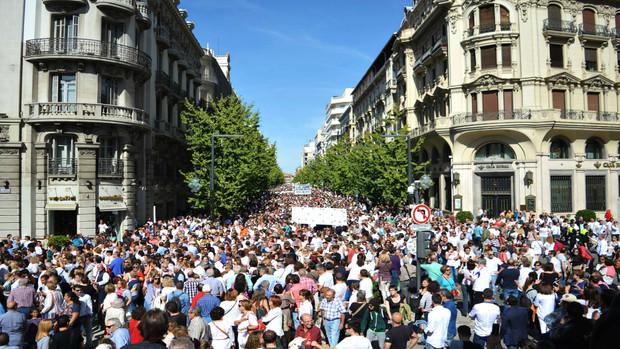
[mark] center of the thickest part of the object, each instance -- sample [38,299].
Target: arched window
[487,18]
[589,21]
[495,152]
[504,18]
[594,149]
[559,149]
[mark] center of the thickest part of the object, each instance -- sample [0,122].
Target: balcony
[162,81]
[87,49]
[467,118]
[594,33]
[591,66]
[143,17]
[63,5]
[162,35]
[62,167]
[439,49]
[615,36]
[85,113]
[117,8]
[559,29]
[110,167]
[489,28]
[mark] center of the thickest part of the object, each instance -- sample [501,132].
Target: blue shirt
[183,299]
[116,266]
[207,303]
[13,323]
[120,337]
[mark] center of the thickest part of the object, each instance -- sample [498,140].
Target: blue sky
[288,57]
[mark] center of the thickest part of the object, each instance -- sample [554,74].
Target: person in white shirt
[482,280]
[355,340]
[485,315]
[438,320]
[493,264]
[601,248]
[366,284]
[273,319]
[524,271]
[326,279]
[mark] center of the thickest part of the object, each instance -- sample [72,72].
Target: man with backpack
[377,322]
[180,297]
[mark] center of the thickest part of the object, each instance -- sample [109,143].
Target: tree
[375,168]
[244,167]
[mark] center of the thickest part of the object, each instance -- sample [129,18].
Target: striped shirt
[23,296]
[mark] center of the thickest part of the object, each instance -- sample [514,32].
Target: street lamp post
[212,174]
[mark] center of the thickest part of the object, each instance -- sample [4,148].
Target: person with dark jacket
[153,326]
[507,279]
[574,329]
[514,323]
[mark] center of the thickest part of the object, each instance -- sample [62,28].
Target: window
[591,59]
[109,162]
[561,194]
[488,57]
[62,156]
[64,32]
[595,193]
[495,151]
[559,149]
[490,105]
[109,91]
[559,99]
[593,101]
[506,55]
[474,103]
[472,60]
[63,88]
[112,36]
[504,18]
[508,106]
[556,55]
[472,23]
[487,18]
[594,149]
[554,12]
[589,21]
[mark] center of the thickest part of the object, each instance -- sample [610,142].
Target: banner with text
[302,189]
[320,216]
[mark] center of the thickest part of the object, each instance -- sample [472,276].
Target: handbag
[260,328]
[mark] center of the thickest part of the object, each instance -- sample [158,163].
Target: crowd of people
[258,281]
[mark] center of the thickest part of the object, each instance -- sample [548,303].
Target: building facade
[307,154]
[517,101]
[91,125]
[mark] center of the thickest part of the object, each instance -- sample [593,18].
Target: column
[442,191]
[40,220]
[87,181]
[129,186]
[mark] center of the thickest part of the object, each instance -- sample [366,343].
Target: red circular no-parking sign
[421,214]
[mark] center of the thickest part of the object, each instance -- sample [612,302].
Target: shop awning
[112,206]
[111,199]
[61,199]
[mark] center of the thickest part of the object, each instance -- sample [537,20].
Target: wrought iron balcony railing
[88,48]
[110,167]
[89,112]
[559,26]
[593,29]
[62,167]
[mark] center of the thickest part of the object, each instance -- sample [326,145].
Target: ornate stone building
[90,125]
[517,101]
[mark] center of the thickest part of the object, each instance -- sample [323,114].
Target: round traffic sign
[421,214]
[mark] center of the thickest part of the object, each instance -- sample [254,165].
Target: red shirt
[313,334]
[135,335]
[196,298]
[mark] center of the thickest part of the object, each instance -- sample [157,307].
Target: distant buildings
[90,122]
[517,101]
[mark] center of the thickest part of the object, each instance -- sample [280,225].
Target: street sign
[421,214]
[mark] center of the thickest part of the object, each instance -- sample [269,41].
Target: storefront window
[495,152]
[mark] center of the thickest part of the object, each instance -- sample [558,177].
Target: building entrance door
[496,193]
[63,222]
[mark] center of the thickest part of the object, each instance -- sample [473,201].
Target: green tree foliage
[464,216]
[375,168]
[244,167]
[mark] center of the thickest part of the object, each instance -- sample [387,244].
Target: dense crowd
[519,280]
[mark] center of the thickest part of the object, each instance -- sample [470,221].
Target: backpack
[175,298]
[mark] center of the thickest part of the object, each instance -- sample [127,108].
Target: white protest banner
[320,216]
[302,189]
